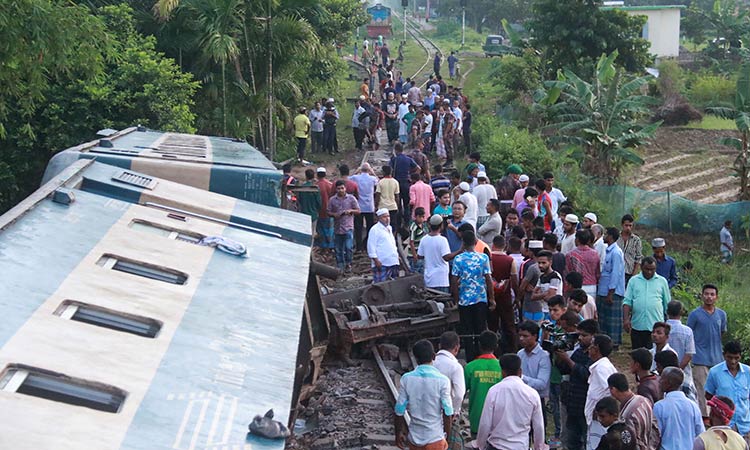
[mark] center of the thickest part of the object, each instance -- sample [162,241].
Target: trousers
[473,320]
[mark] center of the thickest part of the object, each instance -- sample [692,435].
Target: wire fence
[669,212]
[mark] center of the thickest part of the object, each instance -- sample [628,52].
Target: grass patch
[414,55]
[710,122]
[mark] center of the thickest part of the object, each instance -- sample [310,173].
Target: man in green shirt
[645,303]
[309,198]
[481,374]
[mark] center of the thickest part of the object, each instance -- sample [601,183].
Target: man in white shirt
[568,242]
[472,209]
[555,194]
[316,128]
[484,192]
[448,365]
[381,248]
[493,225]
[512,410]
[599,372]
[436,252]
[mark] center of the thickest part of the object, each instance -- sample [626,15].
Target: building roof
[228,326]
[643,8]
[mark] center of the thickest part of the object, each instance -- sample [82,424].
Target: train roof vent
[142,269]
[109,318]
[135,179]
[62,388]
[183,145]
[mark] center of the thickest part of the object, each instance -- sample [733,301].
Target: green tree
[741,115]
[604,118]
[574,33]
[133,84]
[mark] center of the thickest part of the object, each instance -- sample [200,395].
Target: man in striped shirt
[584,260]
[636,411]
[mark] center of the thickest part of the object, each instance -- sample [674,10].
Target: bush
[712,90]
[502,145]
[516,75]
[671,80]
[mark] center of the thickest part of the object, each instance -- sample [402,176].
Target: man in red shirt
[584,260]
[505,282]
[324,231]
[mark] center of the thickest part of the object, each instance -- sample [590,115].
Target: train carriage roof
[120,331]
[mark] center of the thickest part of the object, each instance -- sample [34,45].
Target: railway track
[423,73]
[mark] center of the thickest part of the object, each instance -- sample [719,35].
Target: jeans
[473,320]
[577,431]
[404,197]
[343,245]
[366,221]
[330,143]
[554,400]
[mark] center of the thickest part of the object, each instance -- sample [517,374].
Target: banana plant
[741,116]
[606,117]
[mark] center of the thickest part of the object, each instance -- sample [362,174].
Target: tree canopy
[573,34]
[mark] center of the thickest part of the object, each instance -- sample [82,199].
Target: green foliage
[485,15]
[711,122]
[741,116]
[711,90]
[136,85]
[671,80]
[574,33]
[447,35]
[517,76]
[501,145]
[605,118]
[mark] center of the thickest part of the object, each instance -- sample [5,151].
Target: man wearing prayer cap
[381,248]
[665,264]
[589,219]
[507,187]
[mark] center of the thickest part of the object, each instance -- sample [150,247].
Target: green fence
[667,211]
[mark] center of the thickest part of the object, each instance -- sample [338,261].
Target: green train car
[222,165]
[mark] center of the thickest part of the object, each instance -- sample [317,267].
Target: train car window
[142,269]
[62,388]
[109,318]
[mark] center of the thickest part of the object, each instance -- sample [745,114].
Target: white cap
[536,244]
[330,99]
[404,96]
[321,170]
[429,89]
[523,178]
[382,212]
[362,97]
[464,186]
[571,218]
[482,175]
[591,216]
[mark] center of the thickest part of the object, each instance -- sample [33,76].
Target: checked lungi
[384,273]
[610,317]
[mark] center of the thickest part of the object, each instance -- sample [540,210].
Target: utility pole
[271,137]
[404,17]
[463,23]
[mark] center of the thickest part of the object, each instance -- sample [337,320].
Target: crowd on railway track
[544,292]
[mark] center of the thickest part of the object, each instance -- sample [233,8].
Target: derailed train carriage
[121,330]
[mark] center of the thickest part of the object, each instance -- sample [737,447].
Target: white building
[662,28]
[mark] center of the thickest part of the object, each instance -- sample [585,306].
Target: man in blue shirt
[425,394]
[678,417]
[611,288]
[665,265]
[731,379]
[471,286]
[536,364]
[709,323]
[451,229]
[403,165]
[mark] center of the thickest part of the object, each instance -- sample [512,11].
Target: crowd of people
[544,296]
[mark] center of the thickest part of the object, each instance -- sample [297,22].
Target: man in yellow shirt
[301,132]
